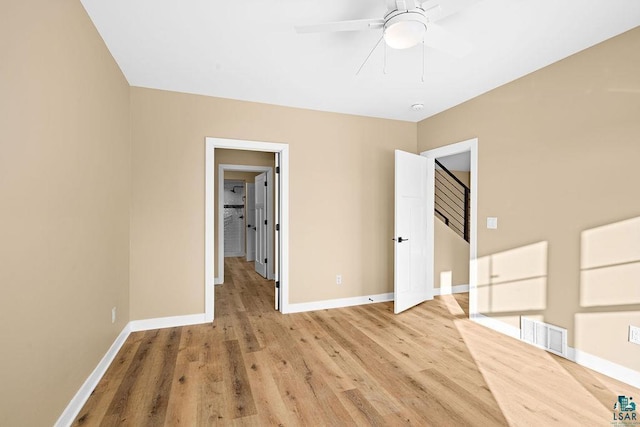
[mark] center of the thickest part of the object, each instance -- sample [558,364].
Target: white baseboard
[603,366]
[361,300]
[167,322]
[77,402]
[234,254]
[338,303]
[606,367]
[75,405]
[218,280]
[458,289]
[497,325]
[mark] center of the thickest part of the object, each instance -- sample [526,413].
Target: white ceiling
[248,50]
[457,162]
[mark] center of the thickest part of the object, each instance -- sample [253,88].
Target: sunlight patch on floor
[506,364]
[452,305]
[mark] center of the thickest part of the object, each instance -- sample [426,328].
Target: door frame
[209,229]
[471,146]
[222,168]
[249,188]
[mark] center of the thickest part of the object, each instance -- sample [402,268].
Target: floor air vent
[544,335]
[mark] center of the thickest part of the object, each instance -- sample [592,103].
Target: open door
[250,213]
[413,283]
[261,224]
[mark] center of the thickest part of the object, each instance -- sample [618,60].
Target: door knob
[400,240]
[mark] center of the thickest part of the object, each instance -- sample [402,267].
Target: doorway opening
[260,231]
[234,214]
[278,219]
[449,276]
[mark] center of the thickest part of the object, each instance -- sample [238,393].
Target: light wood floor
[351,366]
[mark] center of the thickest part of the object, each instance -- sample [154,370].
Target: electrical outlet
[338,279]
[113,315]
[634,334]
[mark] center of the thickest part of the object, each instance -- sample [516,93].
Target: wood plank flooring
[429,366]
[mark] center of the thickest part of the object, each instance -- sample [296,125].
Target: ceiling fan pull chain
[384,64]
[369,56]
[423,59]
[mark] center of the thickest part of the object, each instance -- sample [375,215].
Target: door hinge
[265,260]
[277,169]
[277,227]
[265,183]
[277,285]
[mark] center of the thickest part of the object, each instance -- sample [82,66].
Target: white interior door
[250,208]
[277,208]
[413,283]
[261,224]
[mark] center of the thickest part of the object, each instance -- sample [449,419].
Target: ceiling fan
[405,24]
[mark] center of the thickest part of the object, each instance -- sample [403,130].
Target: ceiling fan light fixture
[405,30]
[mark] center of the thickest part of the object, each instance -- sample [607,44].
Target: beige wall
[463,176]
[247,177]
[558,153]
[64,215]
[451,257]
[341,196]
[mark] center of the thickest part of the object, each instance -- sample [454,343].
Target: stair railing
[452,201]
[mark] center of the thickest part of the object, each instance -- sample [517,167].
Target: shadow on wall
[513,283]
[610,292]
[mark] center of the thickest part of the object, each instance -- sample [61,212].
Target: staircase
[452,201]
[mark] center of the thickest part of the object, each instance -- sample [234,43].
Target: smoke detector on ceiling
[417,107]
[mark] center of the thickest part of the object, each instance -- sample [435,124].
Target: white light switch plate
[492,222]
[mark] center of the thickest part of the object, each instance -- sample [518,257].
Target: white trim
[431,206]
[209,251]
[209,229]
[603,366]
[470,145]
[168,322]
[233,254]
[497,325]
[222,168]
[339,303]
[77,402]
[457,289]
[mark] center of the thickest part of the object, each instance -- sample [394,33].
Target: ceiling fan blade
[442,40]
[440,9]
[356,25]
